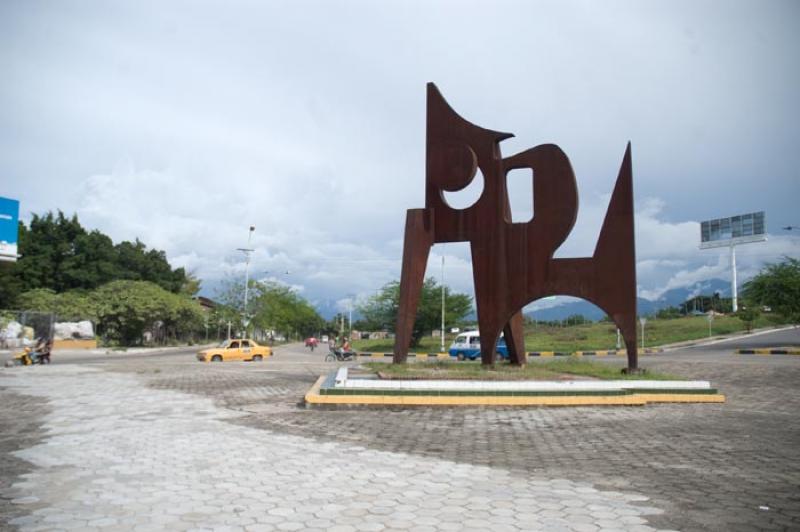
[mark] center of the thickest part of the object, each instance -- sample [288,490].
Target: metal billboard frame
[755,231]
[740,232]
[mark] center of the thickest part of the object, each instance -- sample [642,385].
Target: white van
[467,345]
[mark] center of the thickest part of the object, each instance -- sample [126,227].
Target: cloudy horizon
[184,123]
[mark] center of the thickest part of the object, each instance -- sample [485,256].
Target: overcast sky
[183,123]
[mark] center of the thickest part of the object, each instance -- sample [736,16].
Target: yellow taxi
[235,349]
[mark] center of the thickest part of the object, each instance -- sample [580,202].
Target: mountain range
[670,298]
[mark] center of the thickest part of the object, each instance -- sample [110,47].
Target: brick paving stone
[689,467]
[162,424]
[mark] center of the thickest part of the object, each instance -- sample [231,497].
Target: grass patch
[597,336]
[559,369]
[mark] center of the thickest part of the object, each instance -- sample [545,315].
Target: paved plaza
[169,443]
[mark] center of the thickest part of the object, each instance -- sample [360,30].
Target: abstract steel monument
[513,263]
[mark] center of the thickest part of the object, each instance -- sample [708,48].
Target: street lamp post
[350,314]
[247,252]
[643,321]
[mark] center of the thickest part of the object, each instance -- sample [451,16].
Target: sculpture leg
[416,248]
[490,309]
[514,333]
[627,327]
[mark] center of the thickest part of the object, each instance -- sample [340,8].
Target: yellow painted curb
[769,351]
[681,398]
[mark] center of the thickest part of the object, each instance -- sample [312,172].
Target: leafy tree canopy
[777,286]
[122,310]
[271,306]
[125,309]
[59,254]
[74,305]
[380,311]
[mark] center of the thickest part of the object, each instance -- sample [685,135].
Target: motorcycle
[25,358]
[337,353]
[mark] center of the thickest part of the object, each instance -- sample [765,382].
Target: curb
[443,356]
[777,351]
[530,354]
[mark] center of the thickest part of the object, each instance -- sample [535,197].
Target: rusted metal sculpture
[513,263]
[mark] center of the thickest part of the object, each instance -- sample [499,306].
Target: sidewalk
[121,456]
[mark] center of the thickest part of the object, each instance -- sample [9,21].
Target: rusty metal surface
[513,263]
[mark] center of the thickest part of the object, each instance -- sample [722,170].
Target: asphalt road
[782,338]
[77,357]
[787,337]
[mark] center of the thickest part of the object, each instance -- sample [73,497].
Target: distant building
[371,335]
[206,304]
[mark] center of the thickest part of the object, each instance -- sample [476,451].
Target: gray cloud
[183,123]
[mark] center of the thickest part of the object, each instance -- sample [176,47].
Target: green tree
[93,262]
[191,285]
[271,307]
[74,305]
[668,313]
[138,263]
[40,300]
[380,311]
[280,308]
[57,253]
[45,247]
[338,323]
[126,309]
[777,286]
[748,314]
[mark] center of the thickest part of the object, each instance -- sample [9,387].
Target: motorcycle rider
[39,349]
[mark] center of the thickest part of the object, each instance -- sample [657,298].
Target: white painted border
[342,381]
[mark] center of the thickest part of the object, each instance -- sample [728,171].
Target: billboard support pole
[734,292]
[742,229]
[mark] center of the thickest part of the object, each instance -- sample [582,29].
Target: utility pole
[350,314]
[442,331]
[734,290]
[247,252]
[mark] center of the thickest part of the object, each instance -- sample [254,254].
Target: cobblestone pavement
[176,444]
[20,418]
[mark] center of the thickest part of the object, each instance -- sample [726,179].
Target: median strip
[530,354]
[339,388]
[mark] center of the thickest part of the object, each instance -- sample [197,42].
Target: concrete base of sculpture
[339,388]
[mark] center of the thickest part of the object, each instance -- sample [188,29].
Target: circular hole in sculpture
[467,196]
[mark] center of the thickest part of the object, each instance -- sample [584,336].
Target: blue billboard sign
[9,228]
